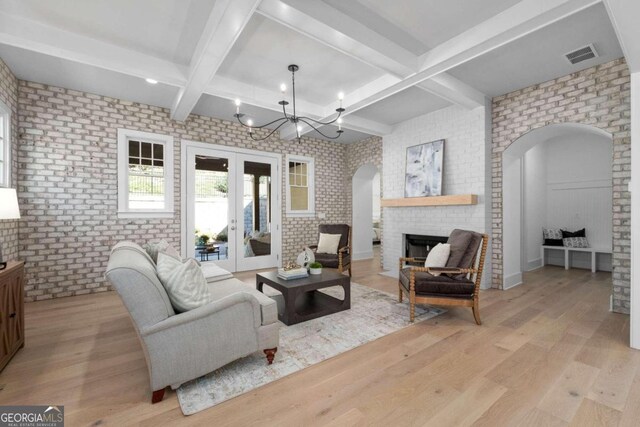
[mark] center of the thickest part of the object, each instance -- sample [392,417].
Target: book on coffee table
[300,276]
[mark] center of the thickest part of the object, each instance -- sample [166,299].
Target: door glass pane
[256,212]
[211,208]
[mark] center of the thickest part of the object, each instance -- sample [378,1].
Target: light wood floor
[549,353]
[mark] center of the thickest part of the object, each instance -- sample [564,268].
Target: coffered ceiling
[393,60]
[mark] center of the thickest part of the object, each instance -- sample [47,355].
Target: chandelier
[294,119]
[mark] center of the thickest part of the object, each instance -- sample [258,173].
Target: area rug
[373,314]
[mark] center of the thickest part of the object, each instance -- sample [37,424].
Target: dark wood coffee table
[301,301]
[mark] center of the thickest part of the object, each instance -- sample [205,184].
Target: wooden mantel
[451,200]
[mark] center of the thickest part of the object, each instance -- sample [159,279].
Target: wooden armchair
[342,259]
[458,283]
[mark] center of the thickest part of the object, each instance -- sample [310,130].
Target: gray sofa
[181,347]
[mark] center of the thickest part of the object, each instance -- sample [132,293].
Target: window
[300,186]
[145,175]
[5,145]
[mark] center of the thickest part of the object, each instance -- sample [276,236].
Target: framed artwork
[423,175]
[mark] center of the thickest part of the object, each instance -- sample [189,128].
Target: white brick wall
[464,171]
[68,184]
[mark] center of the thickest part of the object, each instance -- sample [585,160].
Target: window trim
[310,161]
[123,175]
[5,113]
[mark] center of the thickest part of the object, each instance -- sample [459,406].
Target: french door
[232,208]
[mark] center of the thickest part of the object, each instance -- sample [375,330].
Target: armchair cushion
[428,284]
[464,248]
[342,229]
[328,243]
[331,260]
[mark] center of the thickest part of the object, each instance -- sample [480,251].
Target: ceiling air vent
[582,54]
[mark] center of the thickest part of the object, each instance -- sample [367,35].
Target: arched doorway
[556,176]
[363,210]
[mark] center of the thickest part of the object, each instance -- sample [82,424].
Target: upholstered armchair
[457,284]
[342,259]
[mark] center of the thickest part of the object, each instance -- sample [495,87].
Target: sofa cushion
[443,285]
[184,282]
[223,288]
[213,273]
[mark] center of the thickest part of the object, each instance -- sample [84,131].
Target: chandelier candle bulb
[238,106]
[283,88]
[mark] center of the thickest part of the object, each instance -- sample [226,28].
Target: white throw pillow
[438,256]
[172,252]
[328,243]
[185,283]
[153,247]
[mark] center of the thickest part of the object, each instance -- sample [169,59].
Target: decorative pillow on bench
[575,242]
[552,236]
[579,233]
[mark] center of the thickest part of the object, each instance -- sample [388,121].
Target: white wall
[512,221]
[465,171]
[376,193]
[535,204]
[362,209]
[635,210]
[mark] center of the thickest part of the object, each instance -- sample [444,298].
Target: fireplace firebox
[417,245]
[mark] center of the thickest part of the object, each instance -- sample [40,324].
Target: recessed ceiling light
[151,81]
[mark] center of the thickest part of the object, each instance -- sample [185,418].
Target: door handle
[12,315]
[232,228]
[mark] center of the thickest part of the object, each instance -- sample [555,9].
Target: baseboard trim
[512,281]
[534,264]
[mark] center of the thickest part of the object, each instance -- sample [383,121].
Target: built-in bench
[594,252]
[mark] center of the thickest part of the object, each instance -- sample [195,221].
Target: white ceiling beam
[510,25]
[323,23]
[33,36]
[226,21]
[329,26]
[624,17]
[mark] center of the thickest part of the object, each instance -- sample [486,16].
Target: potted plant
[315,268]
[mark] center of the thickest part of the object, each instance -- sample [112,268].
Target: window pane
[134,161]
[158,151]
[299,198]
[134,149]
[303,180]
[146,162]
[303,168]
[146,149]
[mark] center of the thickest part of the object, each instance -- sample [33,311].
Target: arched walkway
[526,192]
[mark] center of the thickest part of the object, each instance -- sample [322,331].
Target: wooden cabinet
[11,311]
